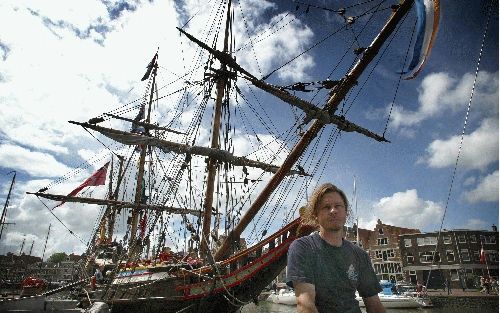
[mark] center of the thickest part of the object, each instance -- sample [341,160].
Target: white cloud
[479,149]
[406,209]
[486,190]
[475,224]
[440,93]
[32,162]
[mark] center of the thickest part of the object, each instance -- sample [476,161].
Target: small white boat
[399,301]
[283,296]
[404,300]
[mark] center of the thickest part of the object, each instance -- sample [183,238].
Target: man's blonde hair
[310,211]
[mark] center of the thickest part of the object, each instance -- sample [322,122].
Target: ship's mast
[337,95]
[212,163]
[140,174]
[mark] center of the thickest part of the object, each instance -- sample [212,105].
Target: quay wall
[473,302]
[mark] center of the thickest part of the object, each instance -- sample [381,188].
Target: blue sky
[61,62]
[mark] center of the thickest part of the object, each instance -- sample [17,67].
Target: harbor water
[269,307]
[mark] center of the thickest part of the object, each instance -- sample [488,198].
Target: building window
[381,231]
[473,238]
[461,239]
[429,256]
[382,241]
[388,268]
[426,241]
[475,256]
[465,254]
[407,242]
[386,254]
[454,275]
[378,254]
[491,239]
[447,240]
[409,258]
[492,257]
[450,256]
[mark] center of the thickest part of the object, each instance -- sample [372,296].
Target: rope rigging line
[250,39]
[349,22]
[341,10]
[72,173]
[371,72]
[399,81]
[313,46]
[302,53]
[57,218]
[469,104]
[339,62]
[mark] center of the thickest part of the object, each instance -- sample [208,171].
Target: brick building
[14,268]
[451,254]
[382,244]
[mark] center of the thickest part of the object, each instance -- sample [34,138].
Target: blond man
[324,269]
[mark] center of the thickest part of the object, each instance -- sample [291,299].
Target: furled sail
[169,146]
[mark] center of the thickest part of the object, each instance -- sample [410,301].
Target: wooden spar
[145,125]
[212,163]
[337,96]
[140,174]
[117,204]
[170,146]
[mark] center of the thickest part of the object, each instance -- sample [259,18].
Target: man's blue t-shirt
[336,272]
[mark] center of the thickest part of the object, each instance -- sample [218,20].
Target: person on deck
[324,269]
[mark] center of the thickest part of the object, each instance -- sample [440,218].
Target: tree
[58,257]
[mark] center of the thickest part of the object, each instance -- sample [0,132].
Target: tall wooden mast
[142,161]
[212,163]
[337,95]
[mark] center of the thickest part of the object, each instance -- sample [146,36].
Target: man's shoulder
[354,247]
[308,241]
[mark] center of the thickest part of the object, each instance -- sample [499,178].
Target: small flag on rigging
[98,178]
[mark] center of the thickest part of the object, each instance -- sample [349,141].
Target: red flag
[482,256]
[98,178]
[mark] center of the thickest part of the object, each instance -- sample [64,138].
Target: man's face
[332,212]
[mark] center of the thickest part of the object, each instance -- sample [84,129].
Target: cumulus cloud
[476,224]
[407,209]
[485,191]
[31,162]
[479,149]
[440,93]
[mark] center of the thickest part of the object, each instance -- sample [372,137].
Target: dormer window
[381,231]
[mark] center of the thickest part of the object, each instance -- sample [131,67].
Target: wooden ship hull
[224,287]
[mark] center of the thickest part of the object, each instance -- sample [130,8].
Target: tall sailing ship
[188,200]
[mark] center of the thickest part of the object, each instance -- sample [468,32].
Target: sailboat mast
[4,211]
[45,245]
[212,163]
[356,211]
[142,161]
[337,95]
